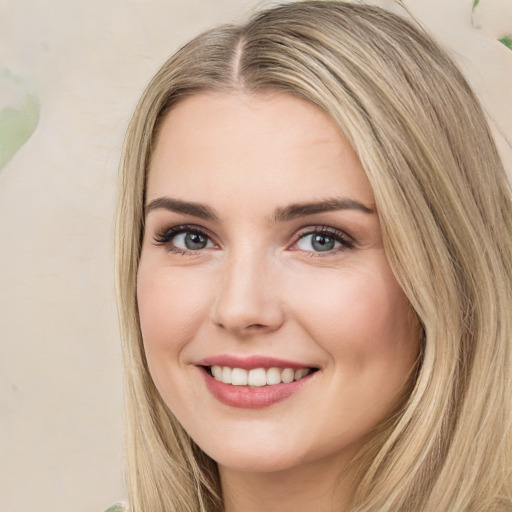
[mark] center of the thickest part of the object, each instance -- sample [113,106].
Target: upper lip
[250,362]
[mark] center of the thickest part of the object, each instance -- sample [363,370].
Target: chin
[256,462]
[254,454]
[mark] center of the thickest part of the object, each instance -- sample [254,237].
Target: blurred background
[70,75]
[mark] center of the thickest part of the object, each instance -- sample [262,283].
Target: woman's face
[263,264]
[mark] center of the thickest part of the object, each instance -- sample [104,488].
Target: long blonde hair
[445,209]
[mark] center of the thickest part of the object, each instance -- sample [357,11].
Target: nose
[248,300]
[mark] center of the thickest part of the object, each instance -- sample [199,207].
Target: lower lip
[246,397]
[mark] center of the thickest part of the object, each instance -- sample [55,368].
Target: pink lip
[249,363]
[245,397]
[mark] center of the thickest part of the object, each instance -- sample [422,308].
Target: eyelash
[346,242]
[165,237]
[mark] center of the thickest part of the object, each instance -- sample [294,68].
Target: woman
[314,273]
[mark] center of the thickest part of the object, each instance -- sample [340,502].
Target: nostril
[246,303]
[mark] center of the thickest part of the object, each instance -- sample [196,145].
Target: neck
[312,486]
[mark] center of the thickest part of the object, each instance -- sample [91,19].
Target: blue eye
[317,242]
[184,239]
[324,240]
[191,241]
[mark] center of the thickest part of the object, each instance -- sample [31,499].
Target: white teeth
[258,376]
[301,373]
[217,372]
[239,377]
[287,375]
[273,376]
[226,375]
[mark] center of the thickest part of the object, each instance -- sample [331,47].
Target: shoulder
[118,507]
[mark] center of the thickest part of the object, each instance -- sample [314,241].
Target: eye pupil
[195,241]
[322,243]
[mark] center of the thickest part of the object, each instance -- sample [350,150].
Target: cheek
[365,325]
[360,318]
[171,308]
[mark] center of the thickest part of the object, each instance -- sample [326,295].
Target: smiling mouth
[257,377]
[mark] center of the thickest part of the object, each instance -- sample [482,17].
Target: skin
[261,287]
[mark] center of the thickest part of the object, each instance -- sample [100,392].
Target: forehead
[218,147]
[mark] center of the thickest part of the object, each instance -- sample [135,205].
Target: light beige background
[86,63]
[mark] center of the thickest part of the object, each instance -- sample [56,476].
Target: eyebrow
[282,214]
[296,210]
[185,207]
